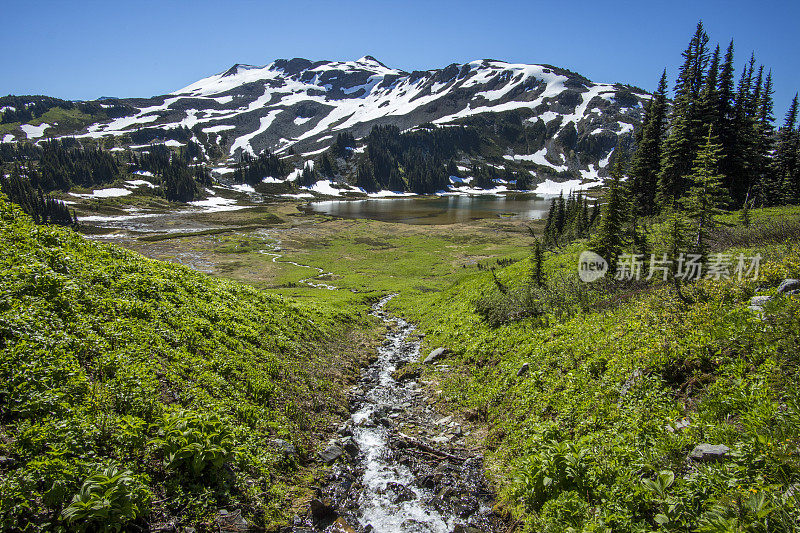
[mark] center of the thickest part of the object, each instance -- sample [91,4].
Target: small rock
[788,285]
[435,355]
[321,509]
[400,493]
[465,506]
[232,522]
[709,452]
[331,453]
[444,421]
[523,370]
[678,425]
[341,526]
[632,379]
[285,447]
[349,445]
[759,301]
[346,430]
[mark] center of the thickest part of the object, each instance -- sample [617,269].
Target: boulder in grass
[331,453]
[705,452]
[435,355]
[788,285]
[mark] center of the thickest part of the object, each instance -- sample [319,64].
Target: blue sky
[85,49]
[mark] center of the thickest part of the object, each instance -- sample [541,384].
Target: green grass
[570,445]
[173,380]
[579,441]
[62,122]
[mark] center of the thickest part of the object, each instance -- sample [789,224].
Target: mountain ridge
[298,106]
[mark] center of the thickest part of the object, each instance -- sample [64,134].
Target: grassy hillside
[594,435]
[133,390]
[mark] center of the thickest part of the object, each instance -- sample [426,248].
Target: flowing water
[393,482]
[380,507]
[390,481]
[312,281]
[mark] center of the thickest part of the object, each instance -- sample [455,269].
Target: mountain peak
[234,70]
[372,60]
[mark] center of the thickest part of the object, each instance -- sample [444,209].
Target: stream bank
[399,466]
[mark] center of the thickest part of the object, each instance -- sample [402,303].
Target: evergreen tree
[707,196]
[538,262]
[610,237]
[740,165]
[726,119]
[42,208]
[365,178]
[708,105]
[646,161]
[767,182]
[681,144]
[308,177]
[252,170]
[785,163]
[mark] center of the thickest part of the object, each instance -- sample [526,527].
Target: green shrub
[193,443]
[108,500]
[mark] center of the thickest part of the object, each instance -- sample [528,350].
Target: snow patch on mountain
[34,132]
[243,142]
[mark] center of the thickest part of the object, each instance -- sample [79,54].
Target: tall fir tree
[681,144]
[766,181]
[785,164]
[739,169]
[646,160]
[708,105]
[609,240]
[707,196]
[726,117]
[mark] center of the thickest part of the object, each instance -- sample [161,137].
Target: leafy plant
[749,512]
[558,467]
[190,441]
[108,500]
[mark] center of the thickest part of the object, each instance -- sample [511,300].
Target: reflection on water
[439,210]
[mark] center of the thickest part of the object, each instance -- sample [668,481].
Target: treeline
[179,178]
[417,161]
[413,161]
[252,170]
[569,219]
[197,145]
[756,164]
[26,108]
[421,161]
[41,207]
[484,176]
[181,182]
[61,164]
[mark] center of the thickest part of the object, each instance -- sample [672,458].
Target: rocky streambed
[399,467]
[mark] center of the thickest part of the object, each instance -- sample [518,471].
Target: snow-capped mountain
[302,104]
